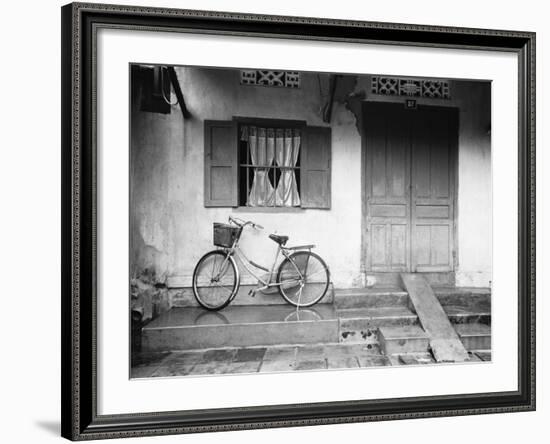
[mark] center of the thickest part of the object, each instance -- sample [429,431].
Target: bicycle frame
[248,264]
[236,251]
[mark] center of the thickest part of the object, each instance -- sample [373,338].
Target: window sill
[269,209]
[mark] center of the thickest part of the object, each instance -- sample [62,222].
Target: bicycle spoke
[218,285]
[209,284]
[214,280]
[303,279]
[319,272]
[213,268]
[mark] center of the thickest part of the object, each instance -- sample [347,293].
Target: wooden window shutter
[315,167]
[220,163]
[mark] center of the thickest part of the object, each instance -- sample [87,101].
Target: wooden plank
[444,341]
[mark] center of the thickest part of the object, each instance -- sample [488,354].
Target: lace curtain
[271,149]
[287,148]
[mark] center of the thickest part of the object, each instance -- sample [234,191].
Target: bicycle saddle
[281,240]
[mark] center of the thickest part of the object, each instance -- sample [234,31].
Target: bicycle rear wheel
[303,279]
[215,280]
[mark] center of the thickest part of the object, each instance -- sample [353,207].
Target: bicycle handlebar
[242,223]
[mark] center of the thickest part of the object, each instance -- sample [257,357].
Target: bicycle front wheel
[215,280]
[303,279]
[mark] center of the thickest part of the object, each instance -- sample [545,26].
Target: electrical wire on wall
[168,101]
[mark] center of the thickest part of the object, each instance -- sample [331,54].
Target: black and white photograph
[289,221]
[275,222]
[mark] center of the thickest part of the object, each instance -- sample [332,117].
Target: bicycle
[302,277]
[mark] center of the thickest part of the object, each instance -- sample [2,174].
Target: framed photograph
[276,221]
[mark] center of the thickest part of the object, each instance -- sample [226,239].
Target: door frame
[365,268]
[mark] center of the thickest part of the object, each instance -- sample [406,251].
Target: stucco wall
[475,216]
[172,228]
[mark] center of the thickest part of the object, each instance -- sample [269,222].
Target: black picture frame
[80,420]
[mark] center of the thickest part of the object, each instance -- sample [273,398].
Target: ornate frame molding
[80,22]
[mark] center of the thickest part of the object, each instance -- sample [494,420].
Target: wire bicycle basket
[225,235]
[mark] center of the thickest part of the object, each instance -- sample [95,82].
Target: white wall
[29,180]
[474,226]
[173,229]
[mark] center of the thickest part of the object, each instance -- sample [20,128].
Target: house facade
[383,174]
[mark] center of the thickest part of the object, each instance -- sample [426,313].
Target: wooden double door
[410,187]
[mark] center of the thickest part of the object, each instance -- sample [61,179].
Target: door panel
[409,187]
[388,191]
[398,245]
[433,147]
[422,242]
[431,247]
[378,243]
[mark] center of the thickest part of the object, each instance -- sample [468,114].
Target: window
[269,166]
[267,163]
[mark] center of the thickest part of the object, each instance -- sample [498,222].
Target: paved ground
[272,359]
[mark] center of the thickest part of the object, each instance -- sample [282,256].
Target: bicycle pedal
[252,293]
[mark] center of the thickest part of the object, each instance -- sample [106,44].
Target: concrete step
[370,297]
[412,359]
[475,314]
[462,306]
[240,326]
[474,336]
[402,340]
[393,279]
[184,297]
[365,318]
[463,296]
[360,325]
[482,355]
